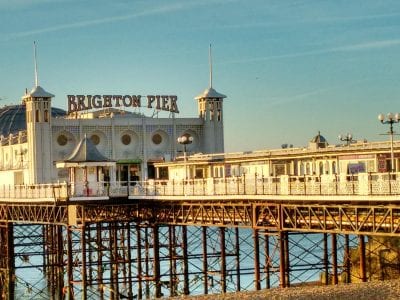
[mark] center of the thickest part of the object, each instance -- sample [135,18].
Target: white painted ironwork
[380,184]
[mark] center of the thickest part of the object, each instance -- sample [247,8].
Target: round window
[157,139]
[62,140]
[95,139]
[126,139]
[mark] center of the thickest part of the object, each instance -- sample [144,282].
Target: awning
[129,161]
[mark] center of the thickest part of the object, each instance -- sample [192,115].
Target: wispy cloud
[370,45]
[18,4]
[157,10]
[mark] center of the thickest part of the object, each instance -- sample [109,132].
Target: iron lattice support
[141,250]
[7,268]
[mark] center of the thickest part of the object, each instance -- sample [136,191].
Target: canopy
[85,154]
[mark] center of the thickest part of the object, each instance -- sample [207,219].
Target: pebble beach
[384,290]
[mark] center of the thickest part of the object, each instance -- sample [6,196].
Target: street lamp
[390,119]
[348,138]
[185,140]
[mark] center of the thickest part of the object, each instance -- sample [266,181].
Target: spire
[210,61]
[36,68]
[210,92]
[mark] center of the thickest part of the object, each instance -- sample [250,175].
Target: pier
[141,240]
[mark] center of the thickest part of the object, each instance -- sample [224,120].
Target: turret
[38,118]
[210,106]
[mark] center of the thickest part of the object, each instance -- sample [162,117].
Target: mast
[35,62]
[210,62]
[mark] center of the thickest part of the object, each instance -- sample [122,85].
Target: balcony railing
[363,184]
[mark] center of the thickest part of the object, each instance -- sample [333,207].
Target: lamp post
[390,119]
[348,138]
[185,140]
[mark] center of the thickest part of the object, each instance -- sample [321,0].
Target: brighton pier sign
[88,102]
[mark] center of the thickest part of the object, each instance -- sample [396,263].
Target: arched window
[301,168]
[46,115]
[37,116]
[321,168]
[334,167]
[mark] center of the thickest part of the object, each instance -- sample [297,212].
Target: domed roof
[210,93]
[318,139]
[38,92]
[13,118]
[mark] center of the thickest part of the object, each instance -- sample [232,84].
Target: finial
[210,61]
[35,61]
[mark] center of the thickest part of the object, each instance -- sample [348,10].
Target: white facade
[134,141]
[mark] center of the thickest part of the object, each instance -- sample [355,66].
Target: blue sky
[289,68]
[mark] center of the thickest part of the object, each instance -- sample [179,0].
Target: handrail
[362,184]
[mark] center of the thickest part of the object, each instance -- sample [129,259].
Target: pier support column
[172,261]
[185,261]
[347,258]
[334,260]
[282,260]
[223,259]
[267,262]
[100,247]
[60,262]
[84,266]
[256,260]
[70,276]
[325,258]
[139,262]
[205,260]
[7,265]
[363,273]
[237,253]
[129,261]
[156,253]
[287,260]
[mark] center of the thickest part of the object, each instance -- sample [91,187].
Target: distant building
[333,162]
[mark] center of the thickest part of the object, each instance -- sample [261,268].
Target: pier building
[318,158]
[35,135]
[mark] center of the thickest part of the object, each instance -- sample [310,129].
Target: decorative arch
[99,139]
[159,140]
[64,143]
[128,144]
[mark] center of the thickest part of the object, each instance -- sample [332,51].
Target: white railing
[361,184]
[36,191]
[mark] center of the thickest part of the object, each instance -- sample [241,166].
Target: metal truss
[350,219]
[150,249]
[34,213]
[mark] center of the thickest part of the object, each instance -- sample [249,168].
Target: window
[126,139]
[301,168]
[95,139]
[37,116]
[62,140]
[46,115]
[157,139]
